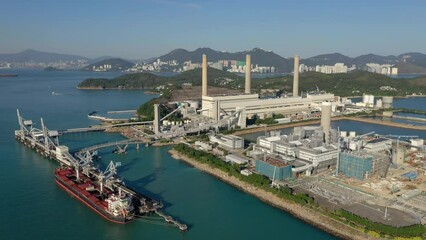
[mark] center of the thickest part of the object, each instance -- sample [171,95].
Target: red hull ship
[114,206]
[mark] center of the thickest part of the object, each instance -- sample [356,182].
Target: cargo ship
[102,191]
[116,207]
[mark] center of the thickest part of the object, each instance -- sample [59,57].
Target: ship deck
[94,196]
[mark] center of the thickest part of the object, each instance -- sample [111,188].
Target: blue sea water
[359,128]
[33,207]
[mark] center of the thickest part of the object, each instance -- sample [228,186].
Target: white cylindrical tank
[326,119]
[387,101]
[343,134]
[352,134]
[368,99]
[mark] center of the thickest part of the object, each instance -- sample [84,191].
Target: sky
[141,29]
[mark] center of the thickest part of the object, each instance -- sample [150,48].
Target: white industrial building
[309,149]
[228,141]
[249,104]
[203,145]
[320,157]
[232,158]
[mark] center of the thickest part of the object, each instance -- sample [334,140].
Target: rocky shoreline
[305,214]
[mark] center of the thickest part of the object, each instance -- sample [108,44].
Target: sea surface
[32,206]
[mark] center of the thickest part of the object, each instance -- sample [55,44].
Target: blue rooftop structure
[410,175]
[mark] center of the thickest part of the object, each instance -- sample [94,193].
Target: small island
[52,69]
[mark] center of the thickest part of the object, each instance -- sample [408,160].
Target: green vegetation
[255,180]
[146,110]
[52,69]
[351,84]
[347,84]
[149,80]
[408,231]
[128,81]
[268,120]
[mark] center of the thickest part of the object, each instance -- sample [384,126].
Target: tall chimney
[296,76]
[156,119]
[204,76]
[248,74]
[326,120]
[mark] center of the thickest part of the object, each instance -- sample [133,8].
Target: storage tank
[367,98]
[326,119]
[387,101]
[343,134]
[352,134]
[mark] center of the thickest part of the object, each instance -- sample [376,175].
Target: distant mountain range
[269,58]
[37,56]
[406,62]
[258,56]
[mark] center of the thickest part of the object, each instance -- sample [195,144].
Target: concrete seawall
[384,123]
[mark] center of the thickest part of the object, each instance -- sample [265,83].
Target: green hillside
[350,84]
[149,80]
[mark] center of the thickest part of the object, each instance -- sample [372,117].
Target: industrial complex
[340,169]
[249,104]
[375,176]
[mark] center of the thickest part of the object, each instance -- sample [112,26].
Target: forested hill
[149,80]
[354,83]
[350,84]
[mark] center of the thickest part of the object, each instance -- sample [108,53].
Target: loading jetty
[102,191]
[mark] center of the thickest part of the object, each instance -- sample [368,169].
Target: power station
[249,104]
